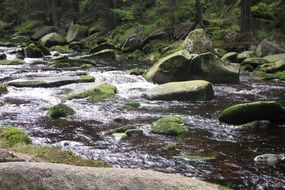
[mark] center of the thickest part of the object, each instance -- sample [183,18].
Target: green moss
[60,110]
[103,91]
[62,49]
[55,155]
[280,75]
[87,78]
[122,129]
[28,26]
[11,136]
[248,112]
[169,125]
[3,89]
[12,62]
[171,147]
[131,105]
[86,66]
[70,63]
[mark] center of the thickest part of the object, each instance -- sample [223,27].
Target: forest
[142,94]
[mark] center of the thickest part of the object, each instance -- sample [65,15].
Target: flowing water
[232,147]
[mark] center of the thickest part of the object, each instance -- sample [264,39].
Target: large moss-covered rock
[76,32]
[254,61]
[248,112]
[197,42]
[12,62]
[274,58]
[32,51]
[189,90]
[183,66]
[53,39]
[159,34]
[97,93]
[60,110]
[169,125]
[267,47]
[48,82]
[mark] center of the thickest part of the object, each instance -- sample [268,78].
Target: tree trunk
[245,23]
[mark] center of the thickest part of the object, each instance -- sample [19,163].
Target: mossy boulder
[41,32]
[12,62]
[248,112]
[122,129]
[62,63]
[53,39]
[48,82]
[3,89]
[245,55]
[169,125]
[62,49]
[182,66]
[197,41]
[101,47]
[76,32]
[132,44]
[267,47]
[32,51]
[231,57]
[274,58]
[97,93]
[254,61]
[60,110]
[13,135]
[189,90]
[132,105]
[262,75]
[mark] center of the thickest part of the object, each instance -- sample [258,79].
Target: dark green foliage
[12,136]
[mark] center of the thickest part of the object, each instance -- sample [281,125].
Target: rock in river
[182,66]
[169,125]
[60,110]
[47,82]
[29,175]
[248,112]
[188,90]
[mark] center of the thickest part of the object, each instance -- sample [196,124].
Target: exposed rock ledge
[29,175]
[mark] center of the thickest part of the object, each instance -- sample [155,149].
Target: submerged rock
[48,82]
[169,125]
[3,56]
[189,90]
[60,110]
[53,39]
[97,93]
[3,89]
[122,129]
[12,62]
[132,105]
[248,112]
[31,175]
[270,158]
[182,66]
[32,51]
[257,125]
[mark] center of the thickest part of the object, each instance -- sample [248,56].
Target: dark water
[232,147]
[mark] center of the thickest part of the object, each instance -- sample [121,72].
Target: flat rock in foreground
[29,175]
[188,90]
